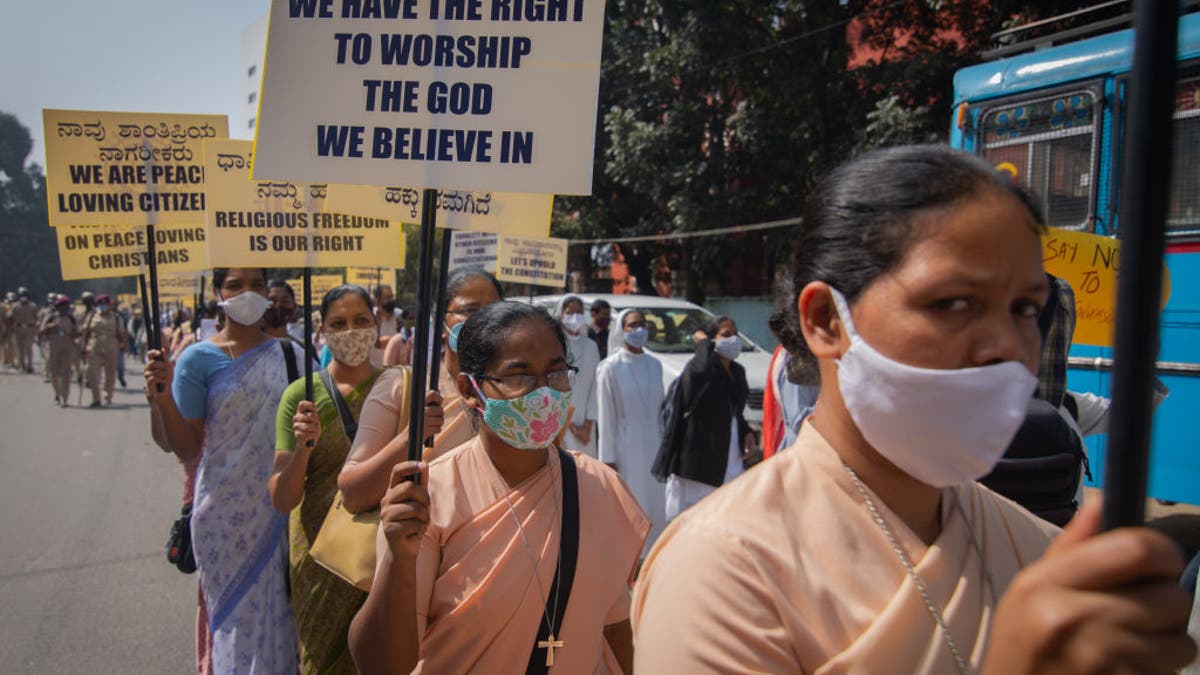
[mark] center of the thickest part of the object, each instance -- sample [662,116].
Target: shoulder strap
[289,357]
[339,402]
[564,578]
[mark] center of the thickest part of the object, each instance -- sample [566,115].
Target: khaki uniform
[60,332]
[81,319]
[24,318]
[7,351]
[44,314]
[102,333]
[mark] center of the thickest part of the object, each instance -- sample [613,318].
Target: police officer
[81,317]
[45,313]
[7,352]
[60,331]
[102,336]
[24,318]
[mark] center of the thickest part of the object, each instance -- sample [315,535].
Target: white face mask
[942,427]
[351,347]
[245,308]
[729,347]
[573,322]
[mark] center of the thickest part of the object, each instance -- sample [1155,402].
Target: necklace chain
[551,618]
[959,661]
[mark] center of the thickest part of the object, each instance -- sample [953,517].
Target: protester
[24,315]
[312,440]
[208,321]
[707,446]
[60,333]
[918,279]
[217,410]
[785,404]
[277,320]
[7,344]
[468,289]
[103,333]
[583,354]
[385,314]
[629,392]
[452,591]
[601,313]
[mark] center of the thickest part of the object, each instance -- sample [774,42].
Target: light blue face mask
[454,331]
[637,337]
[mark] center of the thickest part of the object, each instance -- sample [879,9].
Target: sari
[238,538]
[479,606]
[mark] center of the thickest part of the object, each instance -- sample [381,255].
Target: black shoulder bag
[542,655]
[339,402]
[179,542]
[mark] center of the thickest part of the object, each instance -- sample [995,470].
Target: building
[254,50]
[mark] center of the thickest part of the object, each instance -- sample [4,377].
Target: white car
[672,322]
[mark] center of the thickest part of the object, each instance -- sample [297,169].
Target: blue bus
[1054,118]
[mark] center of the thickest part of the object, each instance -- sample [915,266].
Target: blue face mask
[454,331]
[637,338]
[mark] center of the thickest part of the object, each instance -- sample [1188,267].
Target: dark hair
[219,274]
[280,283]
[570,299]
[600,305]
[334,294]
[464,275]
[713,325]
[210,309]
[485,331]
[859,221]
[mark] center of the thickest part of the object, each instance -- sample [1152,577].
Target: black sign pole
[1146,182]
[416,413]
[436,361]
[308,335]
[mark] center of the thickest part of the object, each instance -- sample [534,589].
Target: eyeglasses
[512,386]
[465,312]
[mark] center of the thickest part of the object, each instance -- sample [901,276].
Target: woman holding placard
[216,412]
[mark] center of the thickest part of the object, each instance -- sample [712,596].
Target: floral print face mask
[529,422]
[351,347]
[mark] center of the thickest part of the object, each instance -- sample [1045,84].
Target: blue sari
[240,541]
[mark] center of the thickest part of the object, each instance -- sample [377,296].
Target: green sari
[323,604]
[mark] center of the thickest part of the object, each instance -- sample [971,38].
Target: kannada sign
[1089,262]
[464,94]
[514,213]
[284,224]
[321,284]
[474,249]
[104,251]
[106,168]
[541,262]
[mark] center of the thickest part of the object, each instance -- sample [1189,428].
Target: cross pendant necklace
[550,645]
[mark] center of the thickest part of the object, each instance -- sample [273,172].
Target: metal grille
[1048,145]
[755,399]
[1183,216]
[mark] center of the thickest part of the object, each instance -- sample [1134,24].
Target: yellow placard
[178,286]
[1089,263]
[541,262]
[371,277]
[512,213]
[321,284]
[285,224]
[105,251]
[107,168]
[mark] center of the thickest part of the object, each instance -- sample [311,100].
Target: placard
[541,262]
[371,278]
[321,284]
[178,287]
[105,251]
[285,224]
[112,168]
[474,249]
[469,95]
[517,214]
[1089,263]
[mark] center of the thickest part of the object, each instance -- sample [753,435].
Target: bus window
[1183,216]
[1049,146]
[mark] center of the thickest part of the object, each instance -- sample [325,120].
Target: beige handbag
[345,545]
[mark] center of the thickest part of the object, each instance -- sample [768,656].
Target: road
[86,502]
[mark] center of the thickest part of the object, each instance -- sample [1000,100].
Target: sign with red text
[463,95]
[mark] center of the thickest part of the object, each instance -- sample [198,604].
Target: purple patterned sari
[239,539]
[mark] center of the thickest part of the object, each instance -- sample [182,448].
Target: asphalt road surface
[86,502]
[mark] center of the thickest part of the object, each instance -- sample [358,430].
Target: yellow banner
[541,262]
[120,251]
[1090,262]
[106,168]
[371,277]
[511,213]
[183,287]
[321,284]
[285,224]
